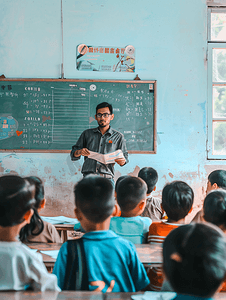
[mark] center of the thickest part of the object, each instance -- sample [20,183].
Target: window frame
[212,44]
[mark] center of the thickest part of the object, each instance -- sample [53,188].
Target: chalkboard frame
[154,82]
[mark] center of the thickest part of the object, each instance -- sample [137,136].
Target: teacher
[103,139]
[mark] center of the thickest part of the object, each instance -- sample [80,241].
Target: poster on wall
[105,59]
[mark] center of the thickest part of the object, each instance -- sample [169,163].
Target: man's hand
[83,152]
[120,161]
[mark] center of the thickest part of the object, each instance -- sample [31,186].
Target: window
[216,83]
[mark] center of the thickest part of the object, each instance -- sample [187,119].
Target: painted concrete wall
[170,42]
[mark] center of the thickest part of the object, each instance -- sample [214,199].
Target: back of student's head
[16,198]
[150,176]
[94,197]
[131,190]
[36,226]
[218,177]
[119,180]
[194,259]
[214,208]
[177,200]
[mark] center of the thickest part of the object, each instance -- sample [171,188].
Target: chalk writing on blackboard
[51,115]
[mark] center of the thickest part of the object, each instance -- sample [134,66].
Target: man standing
[103,139]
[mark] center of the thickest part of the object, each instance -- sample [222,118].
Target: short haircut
[16,198]
[94,197]
[119,180]
[131,190]
[218,177]
[194,259]
[177,200]
[214,207]
[150,176]
[103,105]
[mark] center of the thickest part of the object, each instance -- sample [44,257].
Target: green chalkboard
[49,115]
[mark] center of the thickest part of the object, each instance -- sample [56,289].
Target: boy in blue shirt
[131,197]
[100,260]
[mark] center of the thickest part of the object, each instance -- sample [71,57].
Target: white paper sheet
[52,253]
[155,296]
[108,158]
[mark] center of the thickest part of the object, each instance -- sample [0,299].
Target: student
[153,208]
[177,201]
[20,268]
[117,212]
[194,260]
[216,180]
[100,260]
[214,210]
[38,230]
[131,197]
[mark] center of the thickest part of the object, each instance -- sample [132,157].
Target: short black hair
[94,197]
[119,180]
[194,259]
[177,200]
[131,190]
[150,176]
[214,207]
[16,198]
[218,177]
[103,105]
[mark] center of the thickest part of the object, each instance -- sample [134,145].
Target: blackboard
[46,115]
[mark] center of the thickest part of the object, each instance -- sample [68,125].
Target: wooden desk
[29,295]
[63,230]
[148,254]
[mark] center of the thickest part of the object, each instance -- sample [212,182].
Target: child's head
[177,200]
[16,200]
[150,176]
[36,226]
[94,198]
[216,179]
[194,259]
[119,180]
[131,191]
[39,191]
[214,208]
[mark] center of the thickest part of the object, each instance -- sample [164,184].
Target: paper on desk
[155,296]
[108,158]
[60,220]
[52,253]
[33,250]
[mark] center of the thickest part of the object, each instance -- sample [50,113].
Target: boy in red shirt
[177,201]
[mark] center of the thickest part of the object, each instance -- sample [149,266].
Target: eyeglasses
[105,115]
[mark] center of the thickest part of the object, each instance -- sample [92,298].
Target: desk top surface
[146,252]
[28,295]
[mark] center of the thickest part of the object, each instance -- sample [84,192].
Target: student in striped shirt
[177,201]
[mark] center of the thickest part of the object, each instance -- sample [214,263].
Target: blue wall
[170,38]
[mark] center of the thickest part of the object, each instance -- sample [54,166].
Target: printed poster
[105,59]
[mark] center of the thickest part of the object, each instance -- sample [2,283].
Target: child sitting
[131,197]
[38,230]
[20,268]
[216,180]
[194,260]
[153,208]
[177,201]
[214,209]
[100,260]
